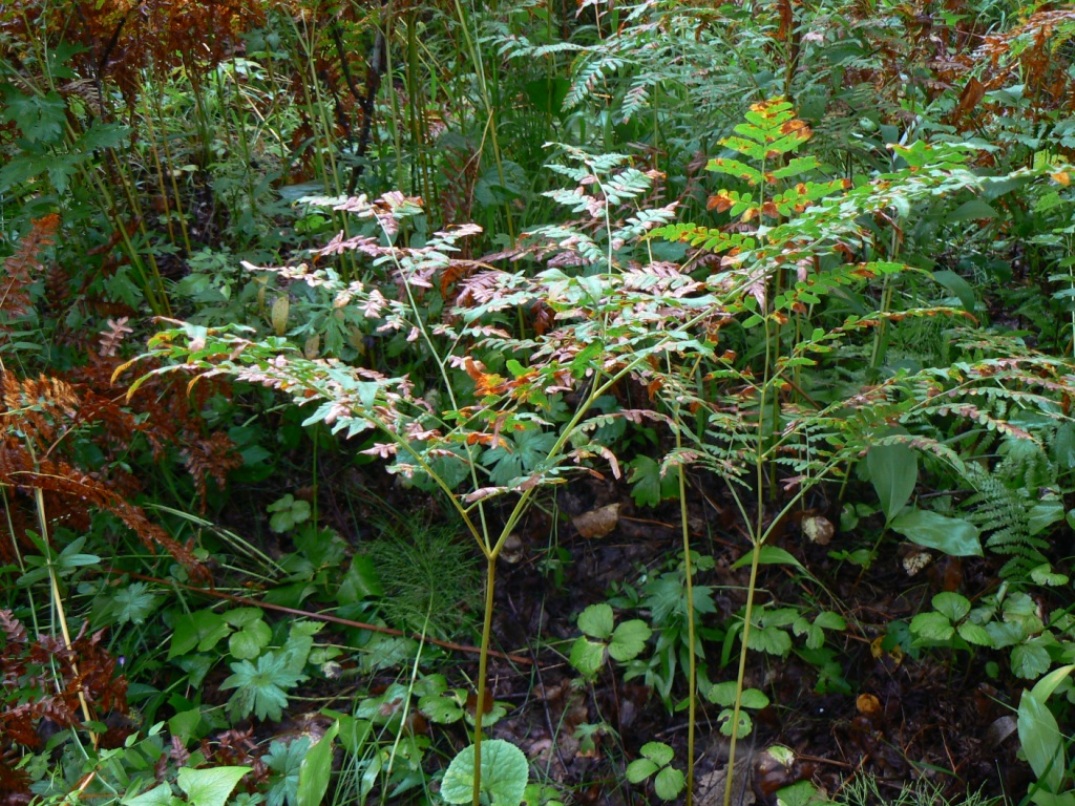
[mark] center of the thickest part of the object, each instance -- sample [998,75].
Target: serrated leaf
[1030,660]
[1044,575]
[772,640]
[629,639]
[587,656]
[723,694]
[828,620]
[974,634]
[932,627]
[597,620]
[745,724]
[248,642]
[952,605]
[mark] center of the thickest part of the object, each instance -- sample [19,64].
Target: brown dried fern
[22,269]
[35,418]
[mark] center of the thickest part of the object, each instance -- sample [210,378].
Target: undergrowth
[789,282]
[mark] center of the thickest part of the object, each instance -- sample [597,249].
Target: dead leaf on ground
[598,522]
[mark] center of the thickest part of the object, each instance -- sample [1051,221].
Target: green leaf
[316,770]
[801,794]
[261,689]
[972,210]
[440,709]
[974,634]
[504,772]
[597,620]
[1039,736]
[1044,575]
[932,627]
[769,555]
[647,486]
[1044,514]
[741,729]
[958,287]
[723,694]
[640,769]
[772,640]
[40,118]
[1045,687]
[248,642]
[200,630]
[753,698]
[893,472]
[953,536]
[669,783]
[157,796]
[587,656]
[361,581]
[629,639]
[1030,660]
[953,605]
[658,752]
[828,620]
[210,786]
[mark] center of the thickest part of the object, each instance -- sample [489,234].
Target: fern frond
[589,76]
[22,268]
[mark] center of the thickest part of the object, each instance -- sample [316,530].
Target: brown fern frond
[23,268]
[36,407]
[73,493]
[211,458]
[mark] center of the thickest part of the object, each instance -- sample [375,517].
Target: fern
[589,76]
[1002,508]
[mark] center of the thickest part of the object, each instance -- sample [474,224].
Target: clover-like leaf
[669,783]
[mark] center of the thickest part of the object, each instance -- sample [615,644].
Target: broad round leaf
[504,772]
[658,752]
[952,605]
[668,783]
